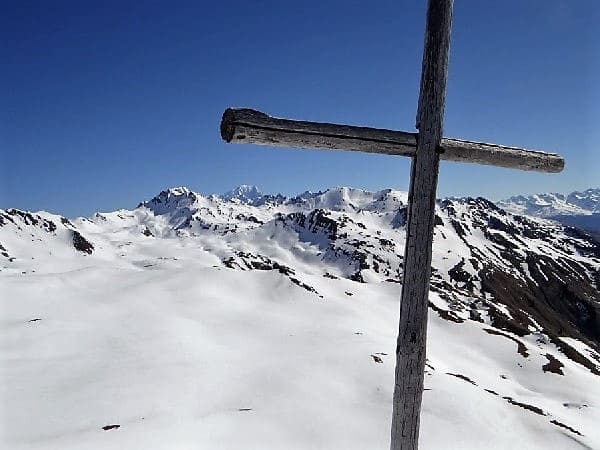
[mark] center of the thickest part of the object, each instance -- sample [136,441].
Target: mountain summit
[244,193]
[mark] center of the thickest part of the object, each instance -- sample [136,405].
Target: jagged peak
[179,190]
[243,193]
[171,194]
[170,199]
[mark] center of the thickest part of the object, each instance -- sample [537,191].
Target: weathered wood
[426,148]
[500,156]
[247,126]
[412,330]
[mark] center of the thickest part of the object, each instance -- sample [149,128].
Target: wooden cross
[426,148]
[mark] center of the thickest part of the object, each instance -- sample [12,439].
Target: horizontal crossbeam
[248,126]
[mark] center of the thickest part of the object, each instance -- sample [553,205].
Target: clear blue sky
[103,104]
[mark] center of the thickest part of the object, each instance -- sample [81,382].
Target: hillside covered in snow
[261,321]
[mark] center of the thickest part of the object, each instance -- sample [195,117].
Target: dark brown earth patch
[475,315]
[66,222]
[82,244]
[511,292]
[260,262]
[553,365]
[574,355]
[447,315]
[377,359]
[590,245]
[462,377]
[567,301]
[4,252]
[305,286]
[521,348]
[566,427]
[575,405]
[459,228]
[357,276]
[319,222]
[111,427]
[459,275]
[526,406]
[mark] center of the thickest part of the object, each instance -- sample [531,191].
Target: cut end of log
[559,165]
[227,127]
[235,118]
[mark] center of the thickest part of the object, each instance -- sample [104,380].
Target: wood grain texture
[412,330]
[247,126]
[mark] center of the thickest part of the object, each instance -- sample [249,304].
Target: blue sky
[106,103]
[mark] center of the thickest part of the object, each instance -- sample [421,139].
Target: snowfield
[246,322]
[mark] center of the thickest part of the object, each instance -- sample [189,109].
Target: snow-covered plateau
[266,322]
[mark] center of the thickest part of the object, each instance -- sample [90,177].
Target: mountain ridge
[520,287]
[579,209]
[320,219]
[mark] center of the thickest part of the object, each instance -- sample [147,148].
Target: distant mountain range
[552,204]
[212,316]
[579,209]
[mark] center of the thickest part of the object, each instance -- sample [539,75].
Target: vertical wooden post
[411,345]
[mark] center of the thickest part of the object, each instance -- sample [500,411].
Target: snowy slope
[258,321]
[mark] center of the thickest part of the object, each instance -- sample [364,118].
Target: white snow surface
[155,333]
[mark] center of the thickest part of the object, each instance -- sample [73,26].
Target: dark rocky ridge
[82,244]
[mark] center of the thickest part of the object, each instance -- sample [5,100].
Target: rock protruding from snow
[82,244]
[170,200]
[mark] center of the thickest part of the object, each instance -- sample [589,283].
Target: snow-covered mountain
[261,321]
[244,193]
[553,204]
[578,209]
